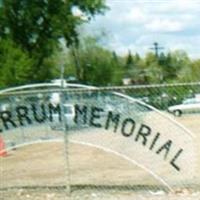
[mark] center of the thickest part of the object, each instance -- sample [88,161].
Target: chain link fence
[100,143]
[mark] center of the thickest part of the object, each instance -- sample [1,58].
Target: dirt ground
[192,122]
[26,170]
[93,195]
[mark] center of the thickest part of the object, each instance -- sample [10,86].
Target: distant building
[126,81]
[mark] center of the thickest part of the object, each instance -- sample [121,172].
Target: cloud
[136,15]
[136,24]
[165,25]
[178,6]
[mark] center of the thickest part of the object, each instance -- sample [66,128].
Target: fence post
[66,141]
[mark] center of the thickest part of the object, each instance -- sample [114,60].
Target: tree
[117,69]
[176,63]
[37,26]
[190,72]
[129,61]
[97,65]
[137,57]
[15,65]
[151,71]
[150,58]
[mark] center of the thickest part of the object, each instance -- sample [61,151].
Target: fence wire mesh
[100,143]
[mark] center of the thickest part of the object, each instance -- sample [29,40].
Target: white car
[188,106]
[69,115]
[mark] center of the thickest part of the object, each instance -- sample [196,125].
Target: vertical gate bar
[66,141]
[21,129]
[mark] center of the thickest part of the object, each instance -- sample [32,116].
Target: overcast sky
[136,24]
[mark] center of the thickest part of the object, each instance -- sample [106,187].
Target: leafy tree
[130,70]
[129,61]
[177,62]
[97,65]
[150,58]
[137,57]
[150,71]
[190,72]
[37,26]
[162,60]
[117,69]
[115,58]
[15,65]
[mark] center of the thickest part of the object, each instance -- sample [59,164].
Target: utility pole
[156,48]
[77,63]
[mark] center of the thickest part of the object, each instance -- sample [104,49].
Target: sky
[136,24]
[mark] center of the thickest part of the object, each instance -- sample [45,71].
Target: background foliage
[37,37]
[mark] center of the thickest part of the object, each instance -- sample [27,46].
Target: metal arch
[68,85]
[38,85]
[75,85]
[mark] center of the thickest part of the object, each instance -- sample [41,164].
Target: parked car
[191,105]
[69,115]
